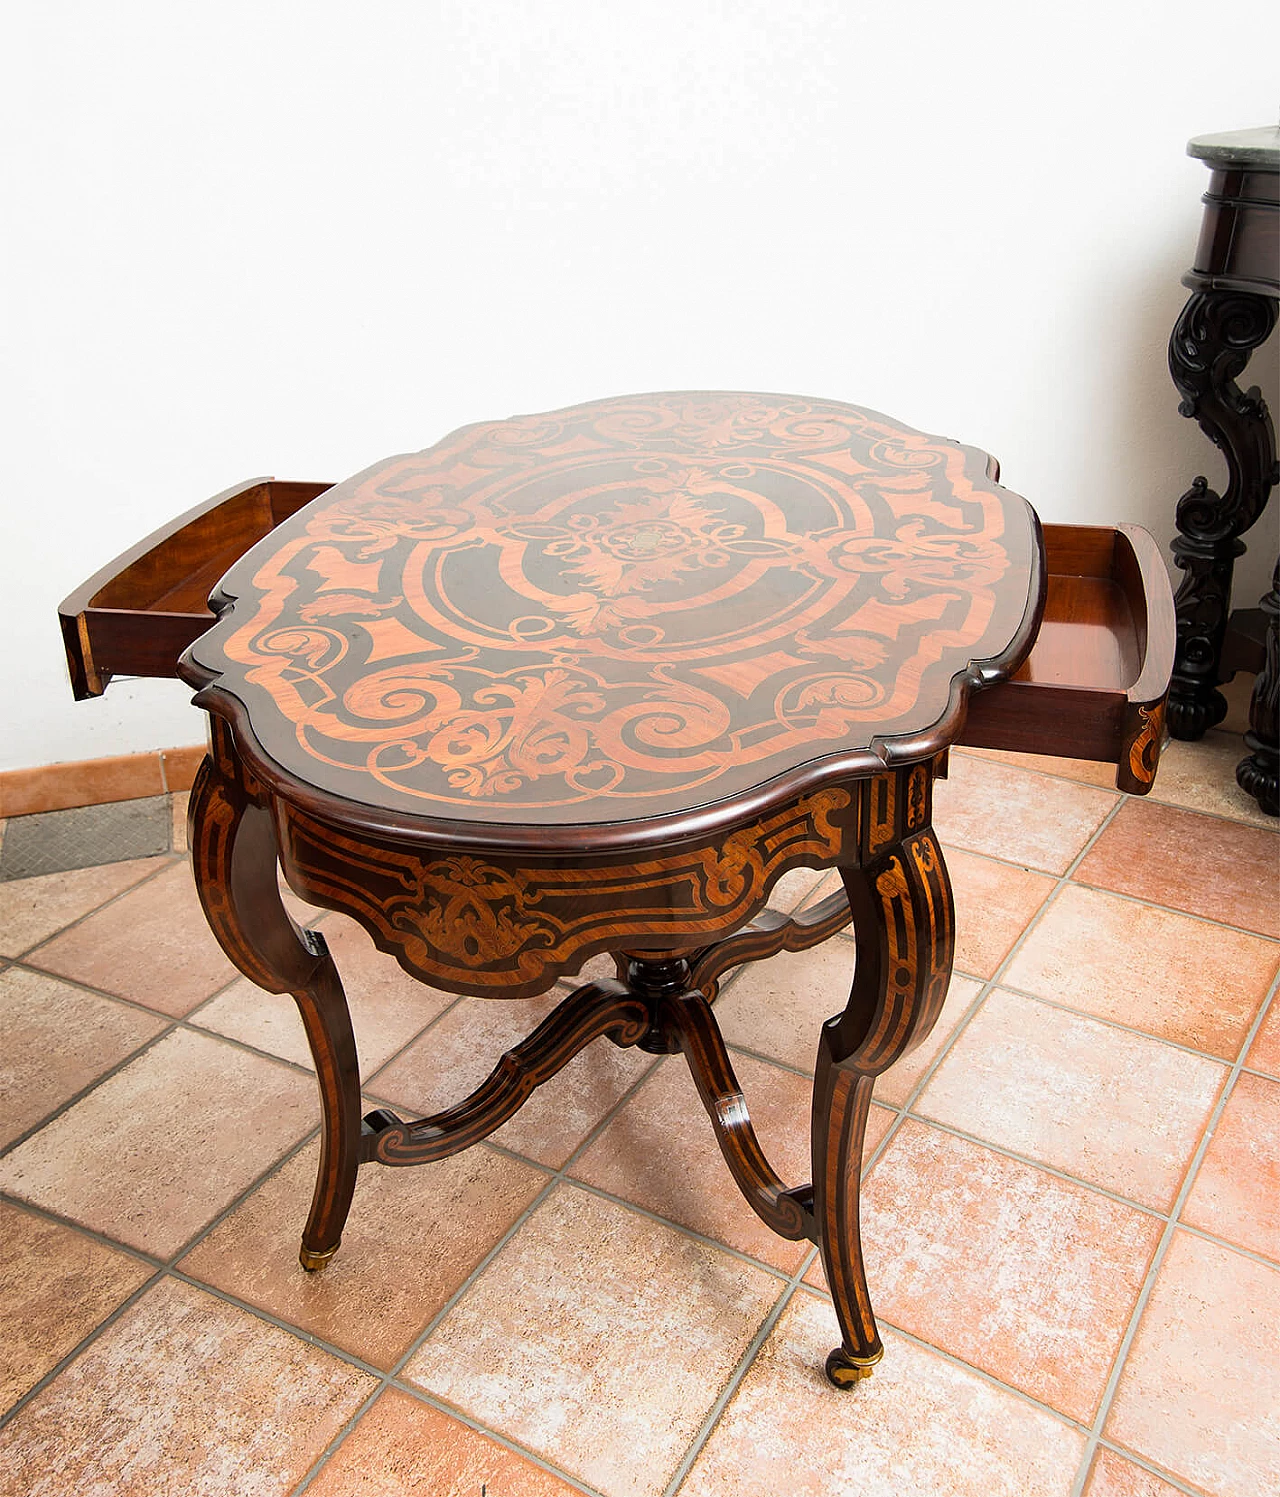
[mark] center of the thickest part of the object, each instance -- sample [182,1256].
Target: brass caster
[314,1262]
[845,1371]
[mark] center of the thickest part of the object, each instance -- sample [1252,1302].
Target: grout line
[953,847]
[167,860]
[167,1269]
[1216,1240]
[1173,909]
[1034,1163]
[81,1346]
[169,1026]
[188,1244]
[269,1317]
[163,1266]
[260,1179]
[413,1039]
[529,1454]
[770,1060]
[46,1213]
[698,1443]
[90,1086]
[1142,1034]
[1144,1463]
[432,1401]
[1162,1248]
[556,1177]
[560,1177]
[701,1237]
[966,751]
[1244,818]
[907,1109]
[392,1375]
[79,982]
[980,997]
[326,1455]
[945,1049]
[1264,1075]
[970,1367]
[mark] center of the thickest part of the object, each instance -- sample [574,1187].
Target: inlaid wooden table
[593,681]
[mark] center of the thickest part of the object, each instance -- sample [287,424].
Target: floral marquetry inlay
[622,609]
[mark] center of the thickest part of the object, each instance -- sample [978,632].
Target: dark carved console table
[1234,283]
[592,681]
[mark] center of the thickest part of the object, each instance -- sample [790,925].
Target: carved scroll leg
[904,921]
[1259,773]
[234,860]
[1209,348]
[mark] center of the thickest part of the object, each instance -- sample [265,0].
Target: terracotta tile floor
[1070,1210]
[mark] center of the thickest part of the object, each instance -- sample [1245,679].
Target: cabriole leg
[904,922]
[841,1101]
[233,853]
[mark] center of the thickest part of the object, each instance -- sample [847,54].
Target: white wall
[293,238]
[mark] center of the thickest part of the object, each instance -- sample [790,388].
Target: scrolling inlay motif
[1144,751]
[631,605]
[475,926]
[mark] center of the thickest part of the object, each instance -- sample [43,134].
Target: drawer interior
[1088,636]
[1093,632]
[176,569]
[1094,682]
[137,615]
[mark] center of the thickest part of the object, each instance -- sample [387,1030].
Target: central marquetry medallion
[623,609]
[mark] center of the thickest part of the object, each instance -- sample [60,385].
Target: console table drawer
[137,615]
[1094,684]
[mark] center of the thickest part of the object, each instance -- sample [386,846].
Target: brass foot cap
[313,1262]
[844,1370]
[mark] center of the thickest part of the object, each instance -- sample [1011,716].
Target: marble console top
[1257,147]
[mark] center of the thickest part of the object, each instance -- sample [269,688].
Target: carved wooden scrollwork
[1209,348]
[1259,773]
[767,935]
[590,1013]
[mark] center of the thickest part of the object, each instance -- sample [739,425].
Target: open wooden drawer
[1093,686]
[137,615]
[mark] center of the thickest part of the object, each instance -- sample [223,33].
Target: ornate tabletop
[593,681]
[626,611]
